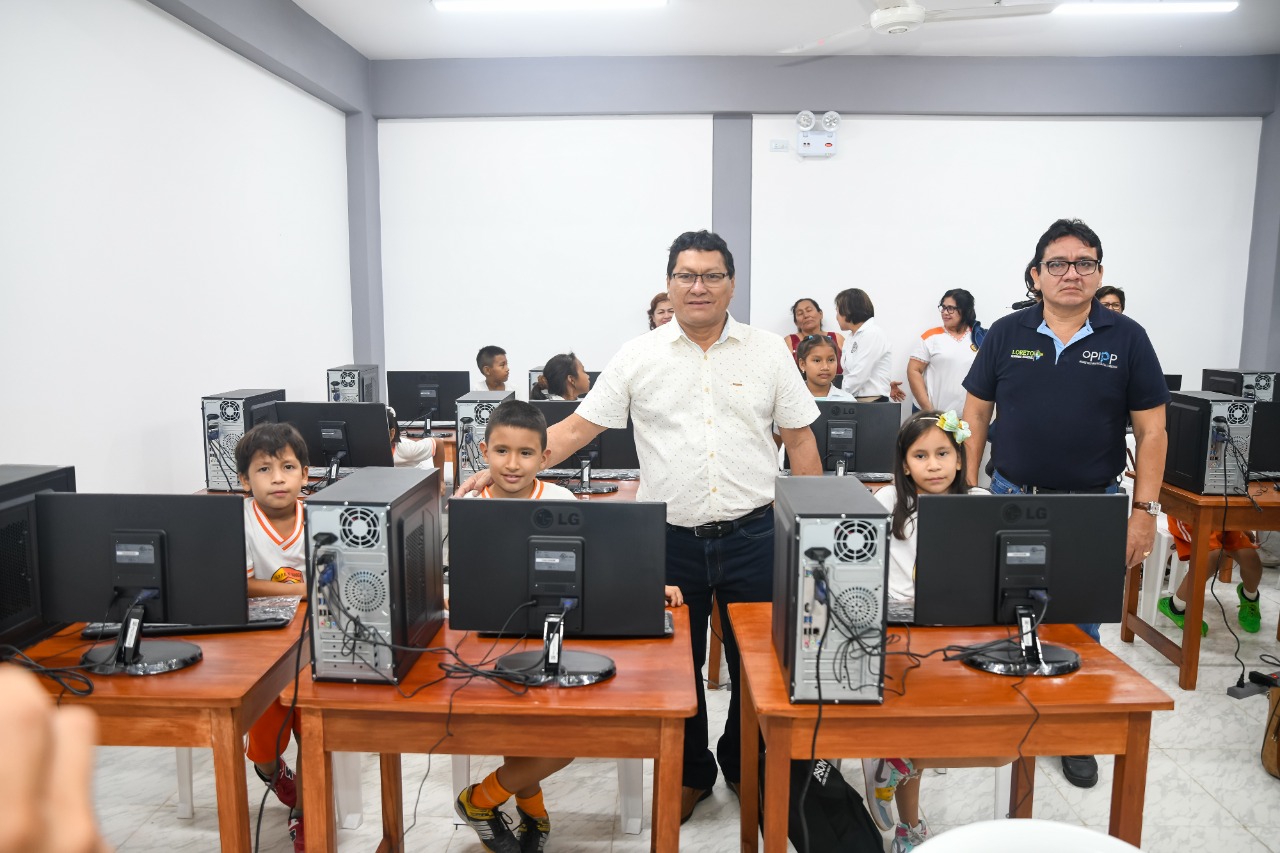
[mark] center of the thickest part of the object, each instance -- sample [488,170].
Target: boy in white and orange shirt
[516,450]
[271,460]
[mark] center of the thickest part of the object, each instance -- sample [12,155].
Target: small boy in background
[1238,546]
[271,460]
[516,450]
[492,362]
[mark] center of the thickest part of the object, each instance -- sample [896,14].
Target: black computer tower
[831,565]
[1264,443]
[21,624]
[377,533]
[1209,437]
[1252,384]
[353,383]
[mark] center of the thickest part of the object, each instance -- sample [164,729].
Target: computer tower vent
[1263,382]
[859,606]
[16,564]
[229,411]
[365,591]
[415,571]
[483,410]
[359,526]
[856,541]
[348,379]
[1238,413]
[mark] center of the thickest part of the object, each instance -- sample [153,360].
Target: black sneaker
[491,825]
[532,832]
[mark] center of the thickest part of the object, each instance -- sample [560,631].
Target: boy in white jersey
[516,450]
[271,460]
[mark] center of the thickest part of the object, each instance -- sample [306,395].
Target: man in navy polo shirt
[1066,374]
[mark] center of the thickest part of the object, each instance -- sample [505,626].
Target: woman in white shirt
[943,355]
[866,348]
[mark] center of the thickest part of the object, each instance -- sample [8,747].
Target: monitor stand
[132,655]
[1026,655]
[586,487]
[552,665]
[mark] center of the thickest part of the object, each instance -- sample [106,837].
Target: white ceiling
[412,29]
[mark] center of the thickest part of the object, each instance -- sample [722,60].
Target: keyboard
[864,476]
[1264,475]
[668,623]
[596,473]
[264,614]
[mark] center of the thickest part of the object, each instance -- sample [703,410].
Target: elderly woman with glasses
[942,356]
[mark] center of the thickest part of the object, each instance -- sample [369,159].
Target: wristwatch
[1153,507]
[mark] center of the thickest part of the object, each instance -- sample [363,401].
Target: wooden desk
[211,704]
[1203,514]
[949,710]
[639,713]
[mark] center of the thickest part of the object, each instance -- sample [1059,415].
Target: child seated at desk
[516,450]
[494,367]
[408,452]
[1238,546]
[819,363]
[271,460]
[928,459]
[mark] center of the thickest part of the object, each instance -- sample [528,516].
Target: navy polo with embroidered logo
[1062,415]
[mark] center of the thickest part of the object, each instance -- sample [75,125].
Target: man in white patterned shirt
[704,394]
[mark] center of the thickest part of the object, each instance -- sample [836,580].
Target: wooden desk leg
[777,783]
[1129,789]
[1189,665]
[1022,793]
[668,774]
[749,783]
[392,804]
[318,820]
[1130,602]
[233,793]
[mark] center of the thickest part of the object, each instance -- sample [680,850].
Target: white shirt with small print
[703,420]
[867,356]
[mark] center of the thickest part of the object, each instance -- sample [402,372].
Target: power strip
[1259,682]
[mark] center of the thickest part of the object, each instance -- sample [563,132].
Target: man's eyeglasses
[1084,266]
[710,279]
[948,309]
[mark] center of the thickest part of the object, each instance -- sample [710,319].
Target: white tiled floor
[1206,789]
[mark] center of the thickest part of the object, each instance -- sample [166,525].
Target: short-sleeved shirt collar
[732,329]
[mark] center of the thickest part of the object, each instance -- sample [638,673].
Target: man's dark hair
[855,305]
[699,241]
[964,301]
[520,415]
[271,439]
[555,375]
[485,357]
[1067,228]
[1108,290]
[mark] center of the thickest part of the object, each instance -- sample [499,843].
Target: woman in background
[943,355]
[660,310]
[808,319]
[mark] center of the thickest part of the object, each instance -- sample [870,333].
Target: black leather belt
[721,529]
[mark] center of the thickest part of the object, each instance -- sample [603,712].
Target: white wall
[537,235]
[912,207]
[174,224]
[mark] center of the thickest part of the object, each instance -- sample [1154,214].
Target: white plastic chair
[1153,574]
[1020,835]
[630,788]
[347,794]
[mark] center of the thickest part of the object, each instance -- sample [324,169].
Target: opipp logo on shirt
[1100,359]
[1028,354]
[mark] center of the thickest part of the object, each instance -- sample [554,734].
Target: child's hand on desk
[475,483]
[673,595]
[46,800]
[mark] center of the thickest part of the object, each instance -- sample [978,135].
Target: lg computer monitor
[354,435]
[856,437]
[1021,560]
[1174,381]
[142,558]
[430,395]
[613,448]
[548,569]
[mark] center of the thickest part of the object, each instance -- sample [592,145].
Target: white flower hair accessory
[950,422]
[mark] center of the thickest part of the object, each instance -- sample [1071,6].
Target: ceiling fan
[895,17]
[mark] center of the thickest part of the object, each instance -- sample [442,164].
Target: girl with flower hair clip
[929,458]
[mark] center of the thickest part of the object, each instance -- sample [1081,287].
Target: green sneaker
[1165,606]
[1249,614]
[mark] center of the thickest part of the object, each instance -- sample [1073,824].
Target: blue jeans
[1002,486]
[737,567]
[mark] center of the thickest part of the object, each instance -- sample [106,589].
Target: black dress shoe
[1080,770]
[689,799]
